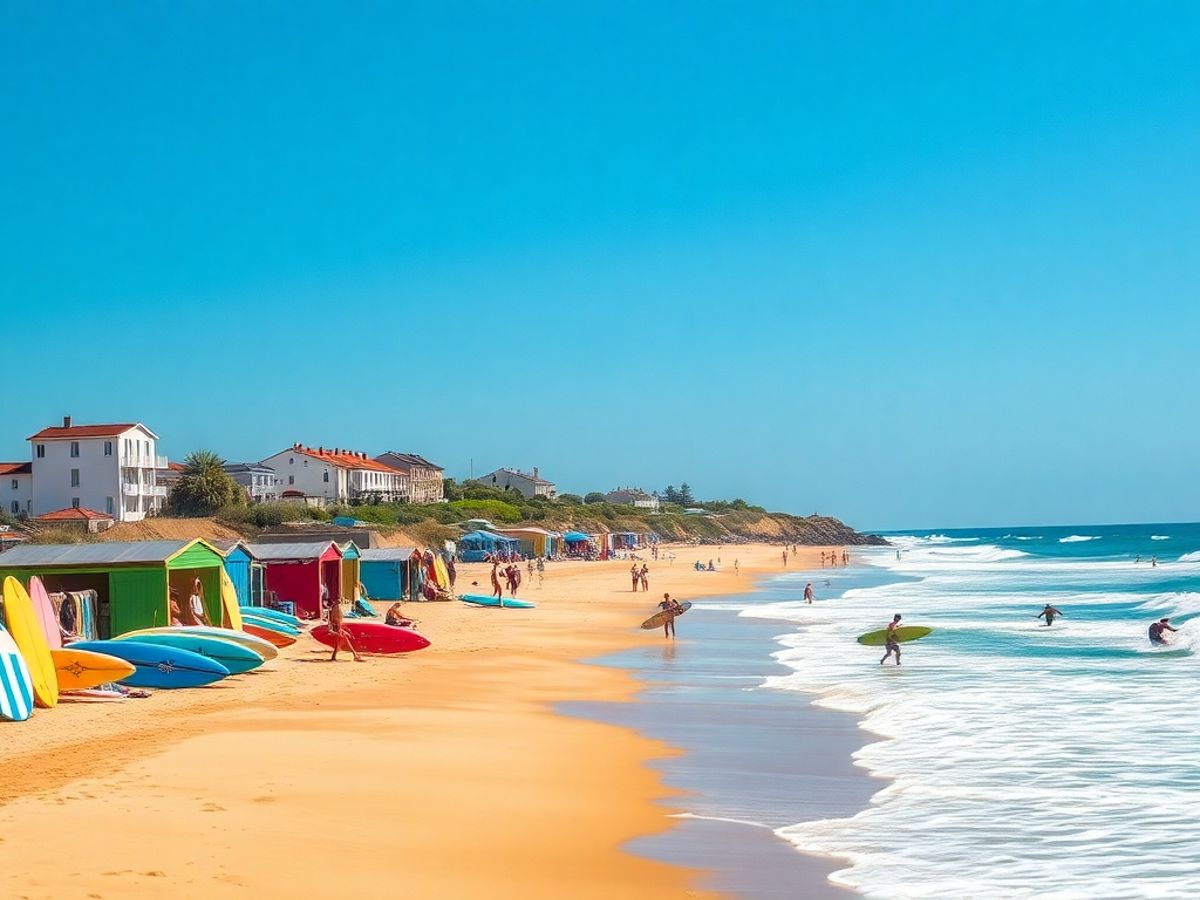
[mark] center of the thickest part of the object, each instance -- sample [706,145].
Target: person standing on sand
[893,643]
[644,577]
[196,604]
[808,593]
[338,632]
[633,574]
[497,590]
[672,609]
[785,556]
[845,558]
[737,568]
[1049,614]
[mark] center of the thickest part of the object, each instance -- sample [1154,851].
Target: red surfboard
[278,638]
[375,637]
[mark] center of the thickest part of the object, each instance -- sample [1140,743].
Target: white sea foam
[1025,760]
[1078,538]
[1160,537]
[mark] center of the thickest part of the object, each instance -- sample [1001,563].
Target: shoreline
[399,767]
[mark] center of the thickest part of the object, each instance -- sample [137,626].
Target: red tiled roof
[344,459]
[176,467]
[71,514]
[74,432]
[25,468]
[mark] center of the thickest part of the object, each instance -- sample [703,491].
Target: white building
[531,485]
[16,488]
[425,479]
[633,497]
[107,468]
[260,481]
[335,475]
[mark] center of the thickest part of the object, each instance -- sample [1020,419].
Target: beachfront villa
[528,484]
[16,488]
[425,479]
[108,468]
[260,481]
[335,476]
[633,497]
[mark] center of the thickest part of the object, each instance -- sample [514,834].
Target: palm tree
[204,487]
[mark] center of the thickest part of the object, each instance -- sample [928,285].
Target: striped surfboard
[16,687]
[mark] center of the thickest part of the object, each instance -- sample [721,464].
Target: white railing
[130,490]
[154,490]
[160,462]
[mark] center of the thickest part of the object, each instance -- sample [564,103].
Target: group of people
[194,613]
[1157,631]
[831,558]
[512,578]
[640,576]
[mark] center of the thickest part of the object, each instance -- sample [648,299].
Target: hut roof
[387,554]
[298,550]
[106,553]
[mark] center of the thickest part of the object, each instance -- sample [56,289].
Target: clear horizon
[892,264]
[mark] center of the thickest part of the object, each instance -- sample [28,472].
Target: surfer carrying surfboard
[1049,614]
[672,609]
[893,643]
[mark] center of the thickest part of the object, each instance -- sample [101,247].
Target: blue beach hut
[244,571]
[386,573]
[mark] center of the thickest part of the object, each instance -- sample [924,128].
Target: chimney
[535,471]
[66,421]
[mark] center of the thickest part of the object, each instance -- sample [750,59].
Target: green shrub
[493,510]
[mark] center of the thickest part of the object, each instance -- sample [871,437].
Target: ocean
[1007,758]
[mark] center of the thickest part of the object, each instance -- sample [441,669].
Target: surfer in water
[892,644]
[1049,614]
[808,593]
[1156,632]
[672,609]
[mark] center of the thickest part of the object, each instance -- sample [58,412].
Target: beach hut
[132,579]
[295,572]
[351,569]
[533,541]
[244,570]
[387,573]
[474,546]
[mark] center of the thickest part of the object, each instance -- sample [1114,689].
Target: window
[291,479]
[16,484]
[327,476]
[74,449]
[74,478]
[108,505]
[16,507]
[291,460]
[74,503]
[40,451]
[108,451]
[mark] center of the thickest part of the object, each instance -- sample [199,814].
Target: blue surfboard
[157,666]
[234,657]
[271,624]
[264,612]
[506,602]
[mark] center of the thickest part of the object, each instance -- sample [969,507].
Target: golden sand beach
[445,773]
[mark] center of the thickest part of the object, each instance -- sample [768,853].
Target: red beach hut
[297,571]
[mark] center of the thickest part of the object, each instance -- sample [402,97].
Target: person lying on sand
[1049,614]
[338,631]
[1156,631]
[893,643]
[672,609]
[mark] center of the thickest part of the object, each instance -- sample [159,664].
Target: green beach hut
[132,579]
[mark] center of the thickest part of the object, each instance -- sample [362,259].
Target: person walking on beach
[634,575]
[1050,613]
[1156,632]
[644,577]
[808,593]
[892,644]
[785,556]
[737,568]
[497,590]
[672,609]
[196,605]
[338,632]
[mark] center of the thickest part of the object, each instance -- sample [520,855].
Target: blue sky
[925,264]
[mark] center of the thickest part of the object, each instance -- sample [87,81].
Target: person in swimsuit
[635,575]
[1049,614]
[1157,629]
[644,577]
[892,644]
[808,593]
[672,609]
[196,604]
[337,631]
[176,612]
[395,618]
[497,590]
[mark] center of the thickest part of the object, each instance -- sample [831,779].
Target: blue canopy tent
[576,537]
[474,546]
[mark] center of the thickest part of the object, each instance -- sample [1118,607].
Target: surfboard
[236,658]
[44,610]
[16,687]
[231,616]
[441,575]
[375,637]
[160,667]
[903,633]
[264,612]
[265,649]
[271,635]
[273,624]
[78,670]
[506,603]
[26,633]
[659,618]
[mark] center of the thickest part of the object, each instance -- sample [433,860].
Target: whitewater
[1016,760]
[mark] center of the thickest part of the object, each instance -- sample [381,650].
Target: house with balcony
[259,480]
[335,475]
[529,484]
[16,488]
[425,479]
[633,497]
[110,469]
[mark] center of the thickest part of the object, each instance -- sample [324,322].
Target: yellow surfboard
[231,615]
[78,670]
[441,573]
[26,632]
